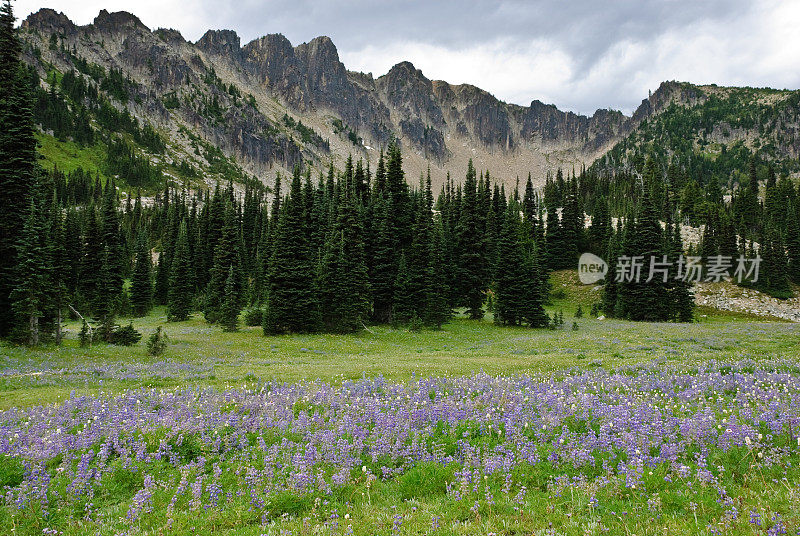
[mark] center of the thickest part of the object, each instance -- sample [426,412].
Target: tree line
[337,252]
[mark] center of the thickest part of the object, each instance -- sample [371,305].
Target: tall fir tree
[18,173]
[142,277]
[343,279]
[29,296]
[471,268]
[226,255]
[179,300]
[229,314]
[292,304]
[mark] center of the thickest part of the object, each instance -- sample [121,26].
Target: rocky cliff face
[341,112]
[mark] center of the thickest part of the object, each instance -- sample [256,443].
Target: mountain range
[266,106]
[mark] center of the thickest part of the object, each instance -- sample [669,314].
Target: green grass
[462,347]
[47,375]
[68,156]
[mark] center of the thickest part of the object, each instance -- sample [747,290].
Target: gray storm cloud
[580,55]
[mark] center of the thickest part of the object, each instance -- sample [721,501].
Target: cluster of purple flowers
[314,437]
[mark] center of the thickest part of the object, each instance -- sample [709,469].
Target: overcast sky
[580,55]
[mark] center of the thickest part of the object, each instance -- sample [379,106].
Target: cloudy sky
[579,54]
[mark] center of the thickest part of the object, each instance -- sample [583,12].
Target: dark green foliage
[31,278]
[125,336]
[382,259]
[229,314]
[519,290]
[181,285]
[254,316]
[793,244]
[472,266]
[141,291]
[226,257]
[17,161]
[292,304]
[343,281]
[157,342]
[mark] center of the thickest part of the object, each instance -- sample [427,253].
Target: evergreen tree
[793,244]
[17,162]
[343,278]
[229,315]
[511,282]
[404,310]
[29,296]
[682,297]
[142,277]
[179,301]
[438,310]
[292,304]
[471,268]
[383,263]
[226,255]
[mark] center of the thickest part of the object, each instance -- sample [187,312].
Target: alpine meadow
[245,290]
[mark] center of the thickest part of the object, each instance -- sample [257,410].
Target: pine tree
[511,281]
[92,261]
[793,244]
[17,161]
[383,263]
[179,302]
[644,300]
[471,268]
[438,311]
[682,297]
[404,309]
[142,277]
[343,278]
[229,314]
[110,229]
[226,255]
[292,304]
[29,296]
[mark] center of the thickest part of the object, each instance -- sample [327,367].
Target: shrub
[157,342]
[253,316]
[125,336]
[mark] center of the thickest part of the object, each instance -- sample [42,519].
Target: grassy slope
[68,156]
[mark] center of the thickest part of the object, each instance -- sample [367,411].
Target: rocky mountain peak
[49,21]
[113,22]
[224,43]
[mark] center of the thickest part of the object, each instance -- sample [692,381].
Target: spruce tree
[29,296]
[229,314]
[438,307]
[179,302]
[343,279]
[471,267]
[383,262]
[793,244]
[17,161]
[226,255]
[292,304]
[404,308]
[682,296]
[511,281]
[142,277]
